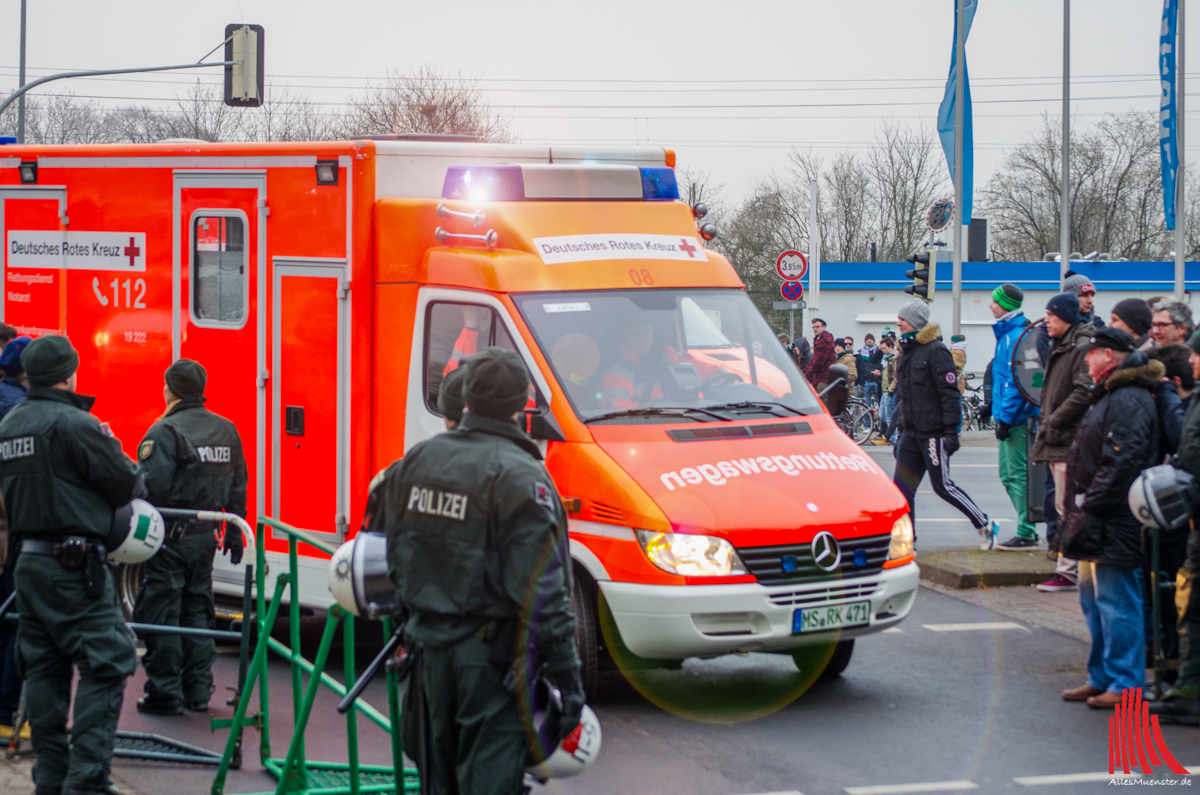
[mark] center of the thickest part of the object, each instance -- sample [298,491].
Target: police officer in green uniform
[192,459]
[62,475]
[477,546]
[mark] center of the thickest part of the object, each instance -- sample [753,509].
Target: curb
[971,568]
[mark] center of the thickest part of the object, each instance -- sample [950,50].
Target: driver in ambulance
[635,373]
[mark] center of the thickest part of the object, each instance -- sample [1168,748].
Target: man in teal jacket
[1010,409]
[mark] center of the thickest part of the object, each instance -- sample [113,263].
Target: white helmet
[573,755]
[358,577]
[1163,497]
[137,533]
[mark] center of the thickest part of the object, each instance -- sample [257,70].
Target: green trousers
[177,591]
[1189,624]
[461,726]
[60,628]
[1013,475]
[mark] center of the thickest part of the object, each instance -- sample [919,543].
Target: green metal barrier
[295,773]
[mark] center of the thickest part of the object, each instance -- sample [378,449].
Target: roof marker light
[658,183]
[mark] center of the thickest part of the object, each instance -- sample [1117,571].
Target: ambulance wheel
[127,582]
[838,662]
[583,602]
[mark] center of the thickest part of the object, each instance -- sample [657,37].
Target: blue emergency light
[508,183]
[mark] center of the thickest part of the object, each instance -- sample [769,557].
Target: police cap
[186,378]
[49,360]
[497,384]
[1108,337]
[450,394]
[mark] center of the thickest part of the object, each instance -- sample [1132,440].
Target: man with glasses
[817,371]
[1172,322]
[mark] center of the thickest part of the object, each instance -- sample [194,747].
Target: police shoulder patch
[145,449]
[543,495]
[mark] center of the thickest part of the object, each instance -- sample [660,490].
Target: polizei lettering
[437,503]
[20,447]
[214,455]
[721,472]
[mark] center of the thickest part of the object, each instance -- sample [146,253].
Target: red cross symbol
[688,247]
[132,251]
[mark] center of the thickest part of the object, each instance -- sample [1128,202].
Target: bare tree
[906,170]
[426,102]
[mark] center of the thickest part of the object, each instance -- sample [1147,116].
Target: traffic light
[922,274]
[244,78]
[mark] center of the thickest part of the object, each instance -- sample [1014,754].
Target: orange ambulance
[328,288]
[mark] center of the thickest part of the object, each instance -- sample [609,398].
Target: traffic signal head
[922,275]
[244,77]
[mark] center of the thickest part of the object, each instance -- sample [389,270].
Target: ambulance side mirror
[836,395]
[542,425]
[244,79]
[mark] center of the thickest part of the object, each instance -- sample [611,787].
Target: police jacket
[1117,439]
[476,534]
[1008,404]
[193,459]
[60,473]
[927,385]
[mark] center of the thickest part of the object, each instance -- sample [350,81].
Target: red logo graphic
[1134,738]
[132,251]
[688,247]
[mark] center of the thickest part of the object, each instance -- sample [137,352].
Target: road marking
[987,625]
[892,631]
[899,789]
[1071,778]
[789,792]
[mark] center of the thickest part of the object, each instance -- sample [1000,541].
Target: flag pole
[1064,209]
[959,100]
[1180,208]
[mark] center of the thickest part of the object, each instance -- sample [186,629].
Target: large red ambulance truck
[714,505]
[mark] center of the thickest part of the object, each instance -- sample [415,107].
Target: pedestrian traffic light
[922,274]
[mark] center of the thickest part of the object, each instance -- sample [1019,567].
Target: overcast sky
[644,71]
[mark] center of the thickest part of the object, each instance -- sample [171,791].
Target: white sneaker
[987,535]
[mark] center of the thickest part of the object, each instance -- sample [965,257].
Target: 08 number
[640,277]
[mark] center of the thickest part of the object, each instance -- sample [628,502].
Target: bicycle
[974,415]
[859,420]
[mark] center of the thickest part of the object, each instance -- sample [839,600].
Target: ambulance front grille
[817,596]
[793,563]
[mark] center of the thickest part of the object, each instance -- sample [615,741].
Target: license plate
[820,619]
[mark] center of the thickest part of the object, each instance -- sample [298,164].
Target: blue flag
[1168,142]
[945,123]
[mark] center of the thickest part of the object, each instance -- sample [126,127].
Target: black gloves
[234,544]
[950,442]
[1002,430]
[570,685]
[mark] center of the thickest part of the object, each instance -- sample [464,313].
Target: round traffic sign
[791,265]
[792,291]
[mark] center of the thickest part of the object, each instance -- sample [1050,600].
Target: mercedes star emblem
[826,552]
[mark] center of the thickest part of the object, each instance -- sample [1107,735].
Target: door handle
[293,420]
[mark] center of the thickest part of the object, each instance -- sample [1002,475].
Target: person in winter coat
[1176,384]
[887,402]
[817,370]
[1133,315]
[1084,290]
[870,367]
[1064,402]
[846,357]
[803,351]
[1010,409]
[1116,441]
[929,413]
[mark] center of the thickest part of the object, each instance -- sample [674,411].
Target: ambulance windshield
[666,355]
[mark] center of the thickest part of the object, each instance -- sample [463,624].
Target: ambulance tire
[587,636]
[127,582]
[838,662]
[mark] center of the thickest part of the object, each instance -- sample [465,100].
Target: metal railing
[295,773]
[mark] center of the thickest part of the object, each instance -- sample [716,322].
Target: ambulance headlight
[902,538]
[691,555]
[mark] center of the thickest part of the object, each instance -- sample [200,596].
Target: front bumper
[672,622]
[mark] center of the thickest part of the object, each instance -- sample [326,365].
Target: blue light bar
[658,183]
[484,183]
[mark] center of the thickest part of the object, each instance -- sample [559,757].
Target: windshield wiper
[760,405]
[656,411]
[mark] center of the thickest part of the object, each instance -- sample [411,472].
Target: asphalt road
[959,698]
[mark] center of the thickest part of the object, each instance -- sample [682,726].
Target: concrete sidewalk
[974,568]
[16,778]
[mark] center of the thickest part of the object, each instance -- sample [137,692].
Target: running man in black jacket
[927,391]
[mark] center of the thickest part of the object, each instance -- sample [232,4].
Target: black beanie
[1135,313]
[1065,306]
[497,384]
[49,361]
[186,378]
[450,394]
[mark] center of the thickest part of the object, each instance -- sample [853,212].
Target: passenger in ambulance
[634,374]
